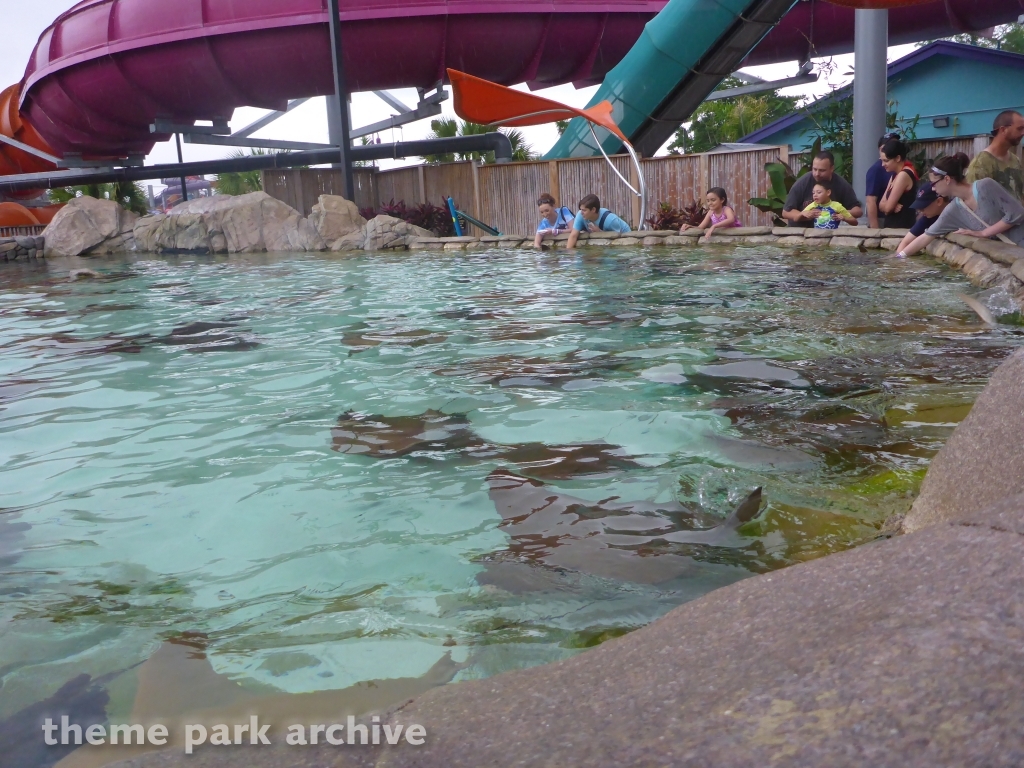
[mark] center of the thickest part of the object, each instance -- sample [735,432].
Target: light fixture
[940,122]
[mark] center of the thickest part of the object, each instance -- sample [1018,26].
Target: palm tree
[447,128]
[243,182]
[129,195]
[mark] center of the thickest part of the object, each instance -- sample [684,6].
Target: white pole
[871,41]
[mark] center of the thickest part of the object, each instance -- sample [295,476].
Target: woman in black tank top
[902,190]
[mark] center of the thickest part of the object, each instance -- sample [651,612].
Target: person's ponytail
[954,165]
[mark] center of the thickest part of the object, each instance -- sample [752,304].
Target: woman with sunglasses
[981,209]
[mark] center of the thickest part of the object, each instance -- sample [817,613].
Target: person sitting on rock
[971,207]
[593,218]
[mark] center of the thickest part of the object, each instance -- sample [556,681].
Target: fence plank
[507,195]
[453,180]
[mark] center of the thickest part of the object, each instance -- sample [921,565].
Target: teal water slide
[681,57]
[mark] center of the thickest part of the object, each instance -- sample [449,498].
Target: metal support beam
[266,120]
[392,102]
[496,142]
[217,127]
[870,46]
[340,133]
[421,112]
[30,150]
[232,141]
[764,85]
[184,182]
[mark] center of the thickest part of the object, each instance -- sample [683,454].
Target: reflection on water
[505,457]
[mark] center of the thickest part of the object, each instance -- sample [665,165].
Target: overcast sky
[24,22]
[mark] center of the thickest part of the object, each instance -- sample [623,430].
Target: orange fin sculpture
[481,101]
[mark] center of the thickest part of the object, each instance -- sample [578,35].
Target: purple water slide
[104,70]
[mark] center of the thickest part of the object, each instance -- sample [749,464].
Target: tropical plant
[447,128]
[129,195]
[561,126]
[669,218]
[243,182]
[832,117]
[781,180]
[427,215]
[1007,37]
[727,120]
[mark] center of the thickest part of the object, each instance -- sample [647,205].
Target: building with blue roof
[955,89]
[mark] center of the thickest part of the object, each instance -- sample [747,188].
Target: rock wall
[983,460]
[258,222]
[20,248]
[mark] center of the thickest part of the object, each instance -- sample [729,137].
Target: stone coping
[986,263]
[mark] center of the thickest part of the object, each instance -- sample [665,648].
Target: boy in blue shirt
[593,218]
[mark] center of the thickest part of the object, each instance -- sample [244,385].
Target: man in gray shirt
[822,169]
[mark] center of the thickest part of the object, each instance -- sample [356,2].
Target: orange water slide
[14,160]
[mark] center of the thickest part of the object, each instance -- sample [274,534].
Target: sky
[24,22]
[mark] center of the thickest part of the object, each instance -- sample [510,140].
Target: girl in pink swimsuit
[721,215]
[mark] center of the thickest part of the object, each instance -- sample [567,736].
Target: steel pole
[338,106]
[870,46]
[184,186]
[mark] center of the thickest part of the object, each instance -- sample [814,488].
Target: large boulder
[386,232]
[334,217]
[226,224]
[84,226]
[983,460]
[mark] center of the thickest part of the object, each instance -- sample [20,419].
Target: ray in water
[178,685]
[605,538]
[206,336]
[11,535]
[83,700]
[393,436]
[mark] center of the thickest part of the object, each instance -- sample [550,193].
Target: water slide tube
[685,52]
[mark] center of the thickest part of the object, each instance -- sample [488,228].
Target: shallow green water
[156,480]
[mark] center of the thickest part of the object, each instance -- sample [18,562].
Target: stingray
[82,699]
[364,339]
[604,538]
[178,685]
[11,535]
[393,436]
[205,336]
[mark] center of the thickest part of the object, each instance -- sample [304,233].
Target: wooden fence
[505,195]
[26,231]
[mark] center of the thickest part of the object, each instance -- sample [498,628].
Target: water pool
[340,470]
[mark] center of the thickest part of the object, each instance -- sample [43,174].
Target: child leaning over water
[720,214]
[553,219]
[593,218]
[826,213]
